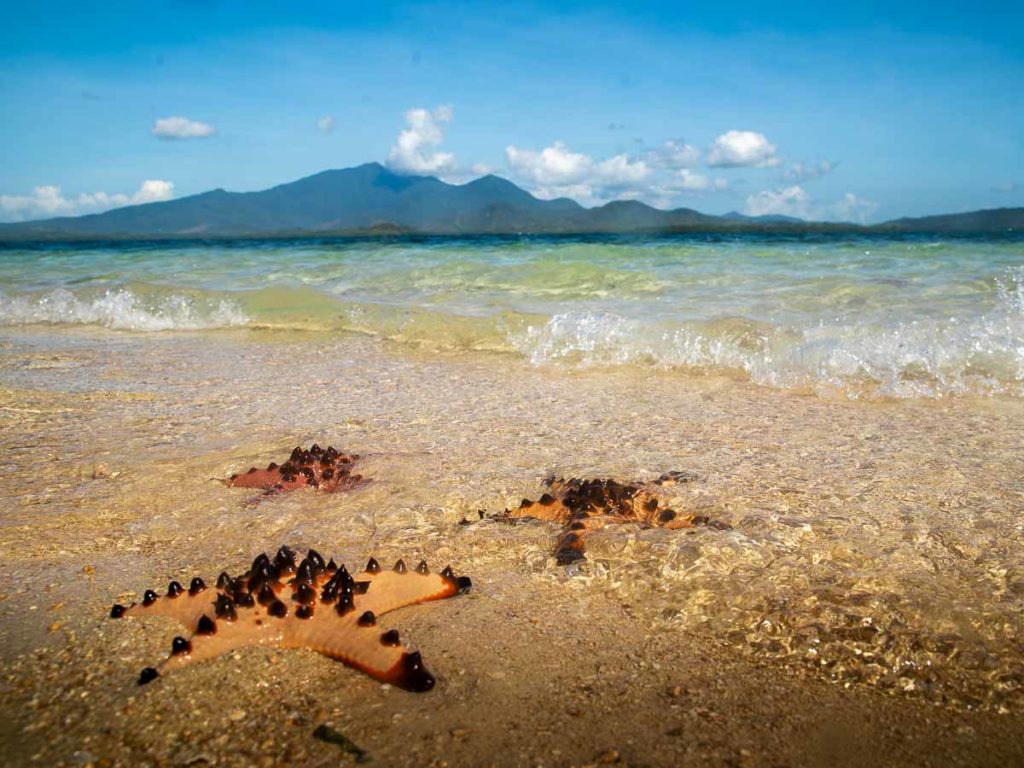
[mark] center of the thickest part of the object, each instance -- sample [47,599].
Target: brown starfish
[313,605]
[327,469]
[581,506]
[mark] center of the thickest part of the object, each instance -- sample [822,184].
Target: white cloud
[659,176]
[800,171]
[789,201]
[853,208]
[695,182]
[742,149]
[621,172]
[794,201]
[557,171]
[462,175]
[154,191]
[48,201]
[674,154]
[173,128]
[325,124]
[555,165]
[415,149]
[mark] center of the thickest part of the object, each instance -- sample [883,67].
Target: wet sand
[864,610]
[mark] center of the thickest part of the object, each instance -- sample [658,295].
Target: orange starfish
[327,469]
[581,506]
[313,605]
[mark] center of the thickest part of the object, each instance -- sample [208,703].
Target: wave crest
[906,359]
[121,309]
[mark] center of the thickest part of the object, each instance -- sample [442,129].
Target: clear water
[875,543]
[901,317]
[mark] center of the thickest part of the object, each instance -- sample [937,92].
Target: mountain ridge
[371,199]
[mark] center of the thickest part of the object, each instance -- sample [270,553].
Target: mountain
[990,220]
[362,198]
[370,199]
[367,199]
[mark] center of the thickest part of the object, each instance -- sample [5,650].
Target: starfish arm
[262,478]
[644,507]
[547,508]
[185,607]
[390,590]
[355,639]
[680,522]
[216,637]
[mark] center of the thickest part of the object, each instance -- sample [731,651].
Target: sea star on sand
[327,469]
[314,604]
[581,506]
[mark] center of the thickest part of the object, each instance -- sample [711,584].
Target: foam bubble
[906,358]
[122,310]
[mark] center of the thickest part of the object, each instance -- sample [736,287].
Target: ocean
[903,317]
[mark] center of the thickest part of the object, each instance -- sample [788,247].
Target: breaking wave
[888,317]
[909,358]
[122,309]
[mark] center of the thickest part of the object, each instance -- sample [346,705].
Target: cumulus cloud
[325,124]
[800,171]
[153,191]
[175,128]
[415,150]
[660,175]
[49,201]
[557,171]
[746,149]
[788,201]
[697,182]
[463,174]
[794,201]
[556,165]
[620,172]
[674,154]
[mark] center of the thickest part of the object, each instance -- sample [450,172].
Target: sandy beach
[863,610]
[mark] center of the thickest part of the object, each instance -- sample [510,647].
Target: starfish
[327,469]
[314,604]
[581,506]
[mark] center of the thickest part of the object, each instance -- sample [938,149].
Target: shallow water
[906,317]
[875,544]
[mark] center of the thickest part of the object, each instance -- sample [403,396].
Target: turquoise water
[902,317]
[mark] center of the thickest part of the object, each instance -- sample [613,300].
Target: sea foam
[909,358]
[890,317]
[121,309]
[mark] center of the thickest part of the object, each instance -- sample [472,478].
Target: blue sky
[863,111]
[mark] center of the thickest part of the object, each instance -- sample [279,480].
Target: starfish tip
[412,675]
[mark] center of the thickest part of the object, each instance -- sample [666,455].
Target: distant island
[372,200]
